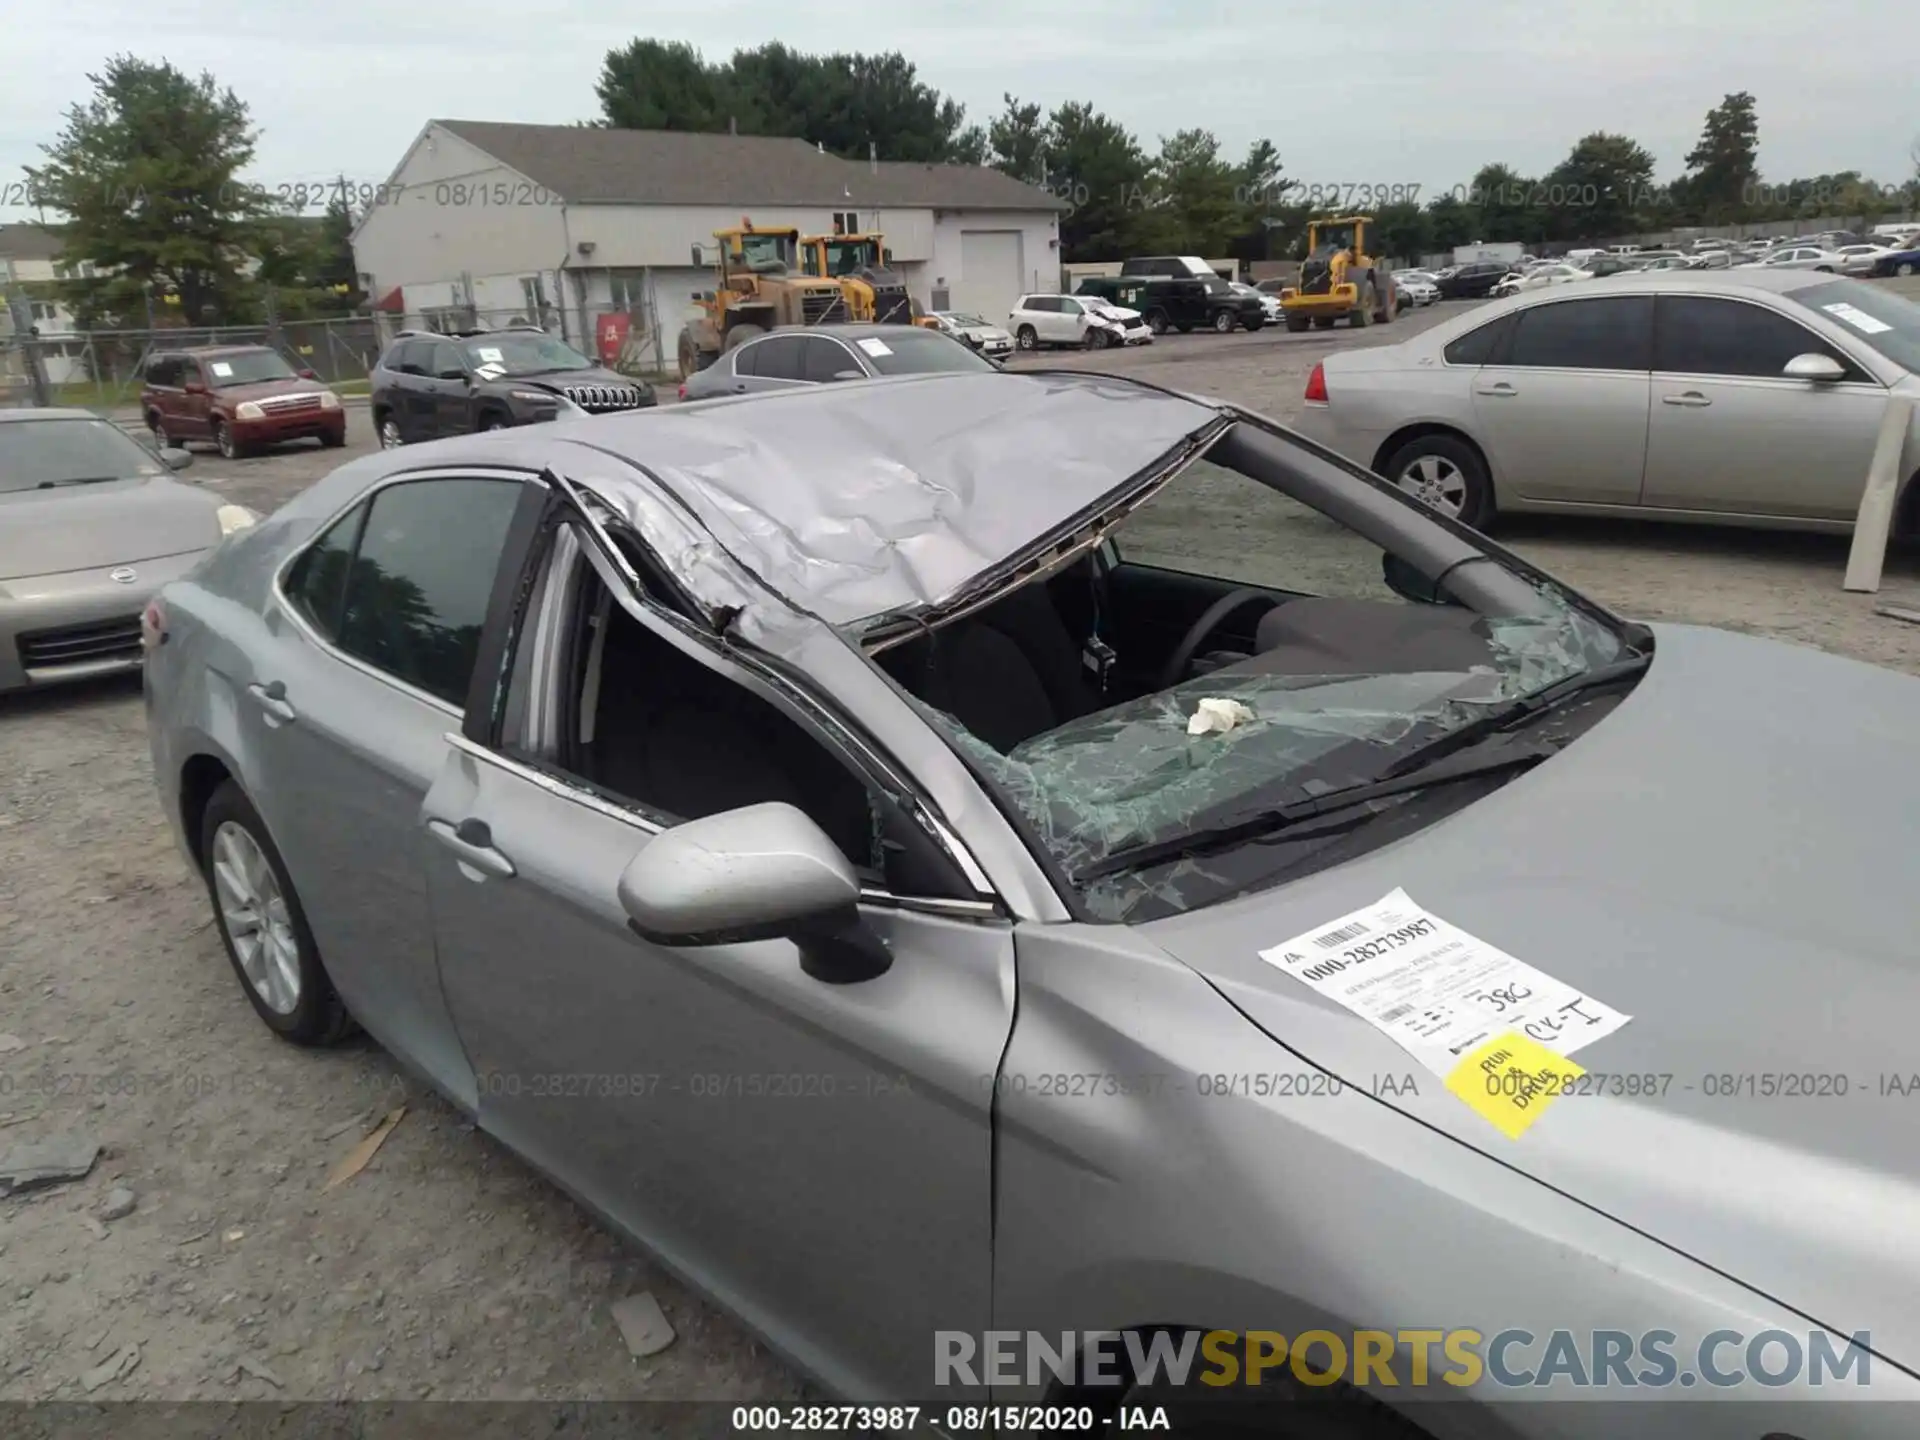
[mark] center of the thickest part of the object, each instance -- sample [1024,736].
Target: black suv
[1474,281]
[1180,303]
[428,385]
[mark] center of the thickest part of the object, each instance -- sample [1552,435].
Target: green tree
[1592,194]
[845,102]
[1199,199]
[667,85]
[1502,201]
[146,175]
[1403,231]
[1261,188]
[1451,222]
[1097,166]
[1723,167]
[1018,139]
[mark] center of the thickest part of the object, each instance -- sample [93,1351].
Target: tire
[1297,323]
[1905,267]
[1223,323]
[689,355]
[739,335]
[226,442]
[388,429]
[1157,322]
[157,428]
[1026,338]
[493,420]
[1097,339]
[1258,322]
[1452,478]
[1361,315]
[296,1000]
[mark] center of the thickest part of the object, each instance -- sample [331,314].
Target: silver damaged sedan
[91,525]
[1037,853]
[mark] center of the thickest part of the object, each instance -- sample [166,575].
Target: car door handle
[1501,389]
[1689,397]
[272,698]
[472,841]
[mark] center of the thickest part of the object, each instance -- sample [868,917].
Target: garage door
[990,273]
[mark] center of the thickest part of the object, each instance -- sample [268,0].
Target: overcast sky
[1438,89]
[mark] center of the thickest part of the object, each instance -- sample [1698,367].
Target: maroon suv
[241,397]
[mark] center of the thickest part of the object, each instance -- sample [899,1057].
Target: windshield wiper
[1438,761]
[1279,821]
[78,480]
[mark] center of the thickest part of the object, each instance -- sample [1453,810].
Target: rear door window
[317,583]
[783,357]
[1611,334]
[422,575]
[1478,347]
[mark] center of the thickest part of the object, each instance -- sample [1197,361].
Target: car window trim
[277,589]
[481,724]
[1869,382]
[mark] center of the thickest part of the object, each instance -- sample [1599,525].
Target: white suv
[1084,321]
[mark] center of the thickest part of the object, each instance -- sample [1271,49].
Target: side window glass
[1069,307]
[417,594]
[825,359]
[745,358]
[317,583]
[782,357]
[1478,347]
[1702,336]
[407,356]
[1612,334]
[444,362]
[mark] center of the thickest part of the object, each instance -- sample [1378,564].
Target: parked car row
[1750,396]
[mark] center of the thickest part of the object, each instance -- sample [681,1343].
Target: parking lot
[445,1268]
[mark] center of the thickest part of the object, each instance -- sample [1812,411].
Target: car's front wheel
[225,441]
[1157,322]
[1223,322]
[262,925]
[1446,474]
[389,428]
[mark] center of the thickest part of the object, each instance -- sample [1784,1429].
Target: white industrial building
[563,225]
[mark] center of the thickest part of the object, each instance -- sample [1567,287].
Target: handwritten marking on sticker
[1435,990]
[1509,1082]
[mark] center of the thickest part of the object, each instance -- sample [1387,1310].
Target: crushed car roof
[855,501]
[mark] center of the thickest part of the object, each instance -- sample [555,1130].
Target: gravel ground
[445,1268]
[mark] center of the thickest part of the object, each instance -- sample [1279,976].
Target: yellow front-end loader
[1340,278]
[858,264]
[758,286]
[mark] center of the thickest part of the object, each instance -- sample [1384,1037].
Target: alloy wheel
[223,438]
[1437,482]
[389,434]
[254,913]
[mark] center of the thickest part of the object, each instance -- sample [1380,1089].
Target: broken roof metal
[854,502]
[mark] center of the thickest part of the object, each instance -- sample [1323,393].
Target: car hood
[117,522]
[1726,858]
[266,389]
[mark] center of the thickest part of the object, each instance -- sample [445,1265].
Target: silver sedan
[1743,397]
[91,526]
[856,843]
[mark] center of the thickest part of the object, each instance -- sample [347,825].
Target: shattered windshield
[1324,677]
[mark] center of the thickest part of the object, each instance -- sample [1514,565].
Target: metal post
[24,328]
[1874,523]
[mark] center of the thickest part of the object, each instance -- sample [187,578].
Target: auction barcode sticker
[1436,991]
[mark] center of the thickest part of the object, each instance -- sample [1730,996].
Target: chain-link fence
[103,368]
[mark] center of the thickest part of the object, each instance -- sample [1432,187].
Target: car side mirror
[1409,584]
[1822,368]
[174,458]
[761,872]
